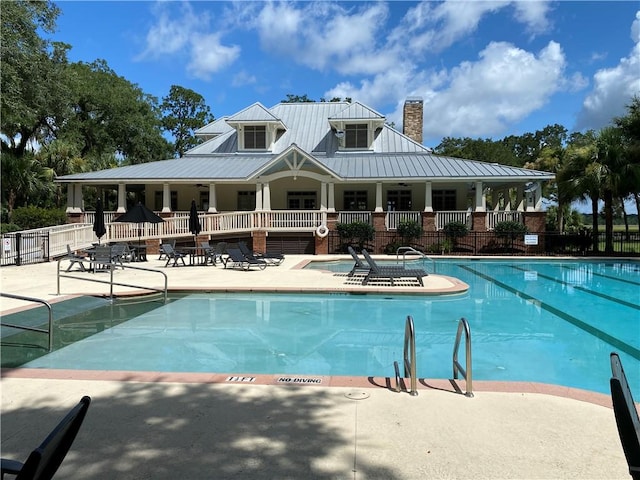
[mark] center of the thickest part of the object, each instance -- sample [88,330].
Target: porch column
[520,199]
[323,196]
[213,201]
[534,198]
[122,198]
[166,198]
[507,200]
[266,196]
[481,200]
[428,197]
[332,197]
[258,196]
[379,197]
[74,198]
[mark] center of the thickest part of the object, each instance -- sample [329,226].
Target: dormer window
[255,137]
[356,136]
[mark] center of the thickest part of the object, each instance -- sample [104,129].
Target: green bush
[454,231]
[508,231]
[356,233]
[409,230]
[28,218]
[9,227]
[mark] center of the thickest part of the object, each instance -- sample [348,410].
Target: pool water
[544,321]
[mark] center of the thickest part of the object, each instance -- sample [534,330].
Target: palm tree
[21,177]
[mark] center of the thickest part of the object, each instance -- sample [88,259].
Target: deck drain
[357,395]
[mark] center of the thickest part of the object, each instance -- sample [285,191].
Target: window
[158,203]
[356,136]
[246,201]
[444,200]
[204,200]
[255,137]
[399,200]
[355,200]
[301,200]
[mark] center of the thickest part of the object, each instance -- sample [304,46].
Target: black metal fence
[488,243]
[22,248]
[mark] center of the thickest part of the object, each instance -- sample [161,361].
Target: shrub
[409,230]
[28,218]
[508,231]
[356,233]
[455,230]
[9,227]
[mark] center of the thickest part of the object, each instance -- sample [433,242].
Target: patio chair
[221,252]
[172,254]
[121,252]
[239,260]
[269,257]
[44,461]
[626,415]
[162,254]
[391,273]
[75,258]
[358,266]
[101,258]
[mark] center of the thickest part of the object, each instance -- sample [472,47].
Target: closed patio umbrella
[194,222]
[139,214]
[98,222]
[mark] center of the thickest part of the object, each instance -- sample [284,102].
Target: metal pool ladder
[409,358]
[49,332]
[463,325]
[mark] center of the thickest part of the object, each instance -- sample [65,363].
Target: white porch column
[379,197]
[74,198]
[258,196]
[481,200]
[428,197]
[507,200]
[323,196]
[166,198]
[122,198]
[78,201]
[534,198]
[266,196]
[520,198]
[213,201]
[332,197]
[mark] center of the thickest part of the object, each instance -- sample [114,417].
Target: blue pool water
[544,321]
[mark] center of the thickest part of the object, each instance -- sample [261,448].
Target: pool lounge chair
[238,260]
[75,258]
[44,461]
[391,273]
[172,254]
[359,266]
[270,258]
[626,415]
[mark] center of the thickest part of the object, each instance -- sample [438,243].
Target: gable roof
[309,133]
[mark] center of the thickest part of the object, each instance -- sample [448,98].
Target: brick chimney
[412,118]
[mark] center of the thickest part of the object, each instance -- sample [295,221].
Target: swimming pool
[544,321]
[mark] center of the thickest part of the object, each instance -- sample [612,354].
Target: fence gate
[22,248]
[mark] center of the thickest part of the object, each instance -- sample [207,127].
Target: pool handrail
[463,325]
[32,329]
[112,283]
[410,355]
[405,250]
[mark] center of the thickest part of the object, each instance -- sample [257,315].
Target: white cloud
[243,78]
[169,34]
[208,55]
[505,85]
[534,14]
[613,88]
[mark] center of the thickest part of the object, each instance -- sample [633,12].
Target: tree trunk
[625,217]
[608,221]
[594,224]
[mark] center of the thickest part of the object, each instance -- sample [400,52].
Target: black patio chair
[391,273]
[626,415]
[172,254]
[44,461]
[102,258]
[358,266]
[270,257]
[162,254]
[75,258]
[238,260]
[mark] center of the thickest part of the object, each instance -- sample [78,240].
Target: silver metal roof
[392,155]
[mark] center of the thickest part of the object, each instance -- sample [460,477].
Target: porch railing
[493,218]
[445,217]
[393,219]
[350,217]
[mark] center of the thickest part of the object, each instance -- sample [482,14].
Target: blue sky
[484,69]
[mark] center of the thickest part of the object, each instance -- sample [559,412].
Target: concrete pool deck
[202,426]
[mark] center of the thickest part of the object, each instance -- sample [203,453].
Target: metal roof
[392,154]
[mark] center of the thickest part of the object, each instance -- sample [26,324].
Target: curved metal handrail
[405,250]
[32,329]
[112,283]
[410,355]
[463,326]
